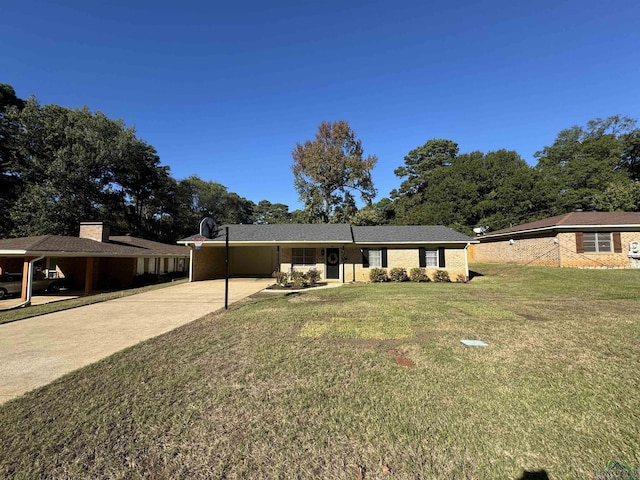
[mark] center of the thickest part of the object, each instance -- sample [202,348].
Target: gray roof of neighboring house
[124,246]
[339,233]
[408,234]
[573,220]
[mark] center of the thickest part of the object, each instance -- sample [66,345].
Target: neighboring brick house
[341,252]
[576,239]
[93,260]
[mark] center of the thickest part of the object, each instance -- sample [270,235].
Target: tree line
[61,165]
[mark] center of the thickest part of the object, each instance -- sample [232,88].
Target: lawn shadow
[537,475]
[473,275]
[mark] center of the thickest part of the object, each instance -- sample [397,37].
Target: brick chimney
[97,231]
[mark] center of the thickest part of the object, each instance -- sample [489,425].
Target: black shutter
[441,262]
[365,258]
[423,257]
[384,258]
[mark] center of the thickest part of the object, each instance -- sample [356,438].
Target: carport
[247,261]
[93,260]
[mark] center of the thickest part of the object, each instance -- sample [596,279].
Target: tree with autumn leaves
[330,171]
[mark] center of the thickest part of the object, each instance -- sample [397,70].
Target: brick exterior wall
[526,251]
[570,258]
[405,257]
[552,250]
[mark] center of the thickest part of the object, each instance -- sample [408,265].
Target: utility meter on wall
[634,247]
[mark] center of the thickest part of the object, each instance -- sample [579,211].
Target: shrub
[281,278]
[377,275]
[398,274]
[314,276]
[441,276]
[461,278]
[299,279]
[418,274]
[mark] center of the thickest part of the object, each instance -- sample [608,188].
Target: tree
[10,184]
[212,199]
[630,160]
[266,212]
[65,159]
[419,165]
[329,170]
[619,197]
[583,161]
[466,190]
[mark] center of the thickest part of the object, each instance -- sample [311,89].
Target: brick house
[340,252]
[93,260]
[576,239]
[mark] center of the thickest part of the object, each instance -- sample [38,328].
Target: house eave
[274,243]
[430,242]
[23,253]
[562,228]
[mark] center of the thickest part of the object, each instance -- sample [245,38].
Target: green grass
[307,386]
[57,306]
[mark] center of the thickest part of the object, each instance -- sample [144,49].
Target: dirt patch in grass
[401,359]
[315,299]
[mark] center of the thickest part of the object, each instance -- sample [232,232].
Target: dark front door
[333,263]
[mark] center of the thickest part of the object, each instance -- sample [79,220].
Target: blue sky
[225,90]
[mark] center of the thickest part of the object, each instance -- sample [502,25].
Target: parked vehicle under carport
[11,284]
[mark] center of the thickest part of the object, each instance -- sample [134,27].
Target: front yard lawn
[359,382]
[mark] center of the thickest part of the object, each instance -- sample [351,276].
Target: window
[431,257]
[597,242]
[303,256]
[375,258]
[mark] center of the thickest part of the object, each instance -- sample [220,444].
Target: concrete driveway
[36,351]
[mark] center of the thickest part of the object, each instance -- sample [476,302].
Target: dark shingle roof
[321,233]
[117,246]
[407,234]
[339,233]
[156,247]
[575,219]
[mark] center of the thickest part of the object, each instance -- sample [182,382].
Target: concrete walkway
[36,351]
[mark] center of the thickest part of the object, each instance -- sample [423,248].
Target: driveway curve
[36,351]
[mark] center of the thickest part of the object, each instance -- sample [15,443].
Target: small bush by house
[418,274]
[282,278]
[441,276]
[299,279]
[377,275]
[314,276]
[398,274]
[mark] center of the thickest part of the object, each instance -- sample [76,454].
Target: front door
[333,263]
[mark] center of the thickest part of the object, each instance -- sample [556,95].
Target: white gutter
[466,259]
